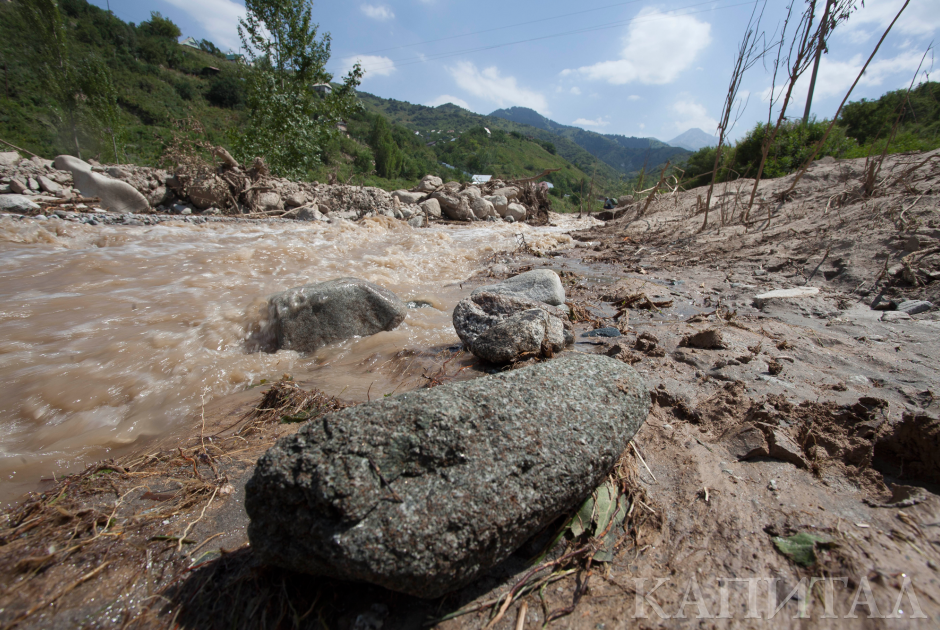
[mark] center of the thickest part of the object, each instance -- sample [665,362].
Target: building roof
[189,41]
[481,179]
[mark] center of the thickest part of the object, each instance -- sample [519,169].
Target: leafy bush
[226,90]
[791,148]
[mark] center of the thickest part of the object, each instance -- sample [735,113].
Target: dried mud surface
[833,410]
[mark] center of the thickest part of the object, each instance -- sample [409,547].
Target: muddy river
[113,336]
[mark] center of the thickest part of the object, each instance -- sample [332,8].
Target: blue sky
[635,68]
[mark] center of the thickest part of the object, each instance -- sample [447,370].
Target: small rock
[48,185]
[296,199]
[607,331]
[19,187]
[308,317]
[18,204]
[417,221]
[895,316]
[774,367]
[533,332]
[746,441]
[914,307]
[211,212]
[706,340]
[309,214]
[541,285]
[784,294]
[782,447]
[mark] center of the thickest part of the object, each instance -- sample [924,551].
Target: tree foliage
[82,88]
[288,121]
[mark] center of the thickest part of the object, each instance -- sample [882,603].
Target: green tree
[83,90]
[290,118]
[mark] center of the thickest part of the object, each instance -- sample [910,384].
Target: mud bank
[774,422]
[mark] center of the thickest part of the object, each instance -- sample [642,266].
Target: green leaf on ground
[801,548]
[583,519]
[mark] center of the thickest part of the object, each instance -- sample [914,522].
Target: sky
[638,68]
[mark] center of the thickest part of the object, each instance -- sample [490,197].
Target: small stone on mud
[706,340]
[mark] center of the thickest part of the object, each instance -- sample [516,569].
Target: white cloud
[576,91]
[642,126]
[836,77]
[373,65]
[691,114]
[380,13]
[447,98]
[219,18]
[489,85]
[633,97]
[653,54]
[584,122]
[918,19]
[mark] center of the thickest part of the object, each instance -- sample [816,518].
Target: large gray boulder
[430,183]
[407,197]
[306,318]
[431,207]
[516,212]
[542,285]
[17,203]
[115,195]
[509,192]
[481,207]
[500,204]
[425,491]
[9,158]
[455,206]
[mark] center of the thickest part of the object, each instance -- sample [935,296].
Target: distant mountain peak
[693,140]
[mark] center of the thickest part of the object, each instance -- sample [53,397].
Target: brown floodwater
[112,336]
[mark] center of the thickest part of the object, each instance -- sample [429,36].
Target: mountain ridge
[693,140]
[625,154]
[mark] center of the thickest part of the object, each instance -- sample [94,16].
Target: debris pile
[224,187]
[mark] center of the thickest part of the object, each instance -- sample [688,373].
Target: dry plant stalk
[799,174]
[750,50]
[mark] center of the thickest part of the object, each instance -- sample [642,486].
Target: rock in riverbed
[542,285]
[314,315]
[424,492]
[115,195]
[501,328]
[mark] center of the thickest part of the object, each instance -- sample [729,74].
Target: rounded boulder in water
[541,285]
[314,315]
[426,491]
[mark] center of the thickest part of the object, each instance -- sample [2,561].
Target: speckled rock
[425,491]
[533,332]
[311,316]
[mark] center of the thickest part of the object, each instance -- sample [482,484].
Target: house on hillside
[192,43]
[234,57]
[323,88]
[341,127]
[481,179]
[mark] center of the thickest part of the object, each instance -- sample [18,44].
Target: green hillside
[434,123]
[163,90]
[625,154]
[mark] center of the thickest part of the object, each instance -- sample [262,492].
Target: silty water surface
[111,336]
